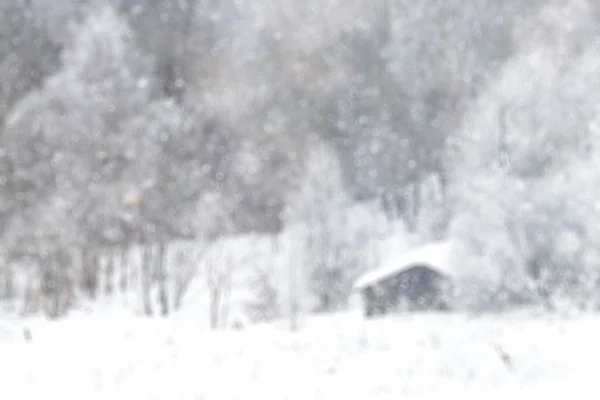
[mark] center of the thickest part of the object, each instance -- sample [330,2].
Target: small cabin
[419,280]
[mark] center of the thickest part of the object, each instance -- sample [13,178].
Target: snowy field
[117,357]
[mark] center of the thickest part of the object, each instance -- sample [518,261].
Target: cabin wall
[416,289]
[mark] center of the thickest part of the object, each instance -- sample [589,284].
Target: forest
[147,132]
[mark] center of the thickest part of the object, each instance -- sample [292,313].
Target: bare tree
[162,279]
[317,207]
[124,268]
[218,269]
[146,279]
[187,259]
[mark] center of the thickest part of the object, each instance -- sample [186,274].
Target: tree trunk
[8,288]
[225,301]
[109,275]
[51,289]
[179,292]
[412,209]
[147,279]
[182,278]
[218,290]
[161,272]
[124,266]
[294,307]
[215,299]
[30,299]
[181,287]
[90,265]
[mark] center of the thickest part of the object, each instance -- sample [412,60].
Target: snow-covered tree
[169,178]
[328,253]
[63,146]
[525,215]
[129,167]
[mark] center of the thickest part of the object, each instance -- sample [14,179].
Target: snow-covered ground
[115,356]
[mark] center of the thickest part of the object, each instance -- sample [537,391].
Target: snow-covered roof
[435,255]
